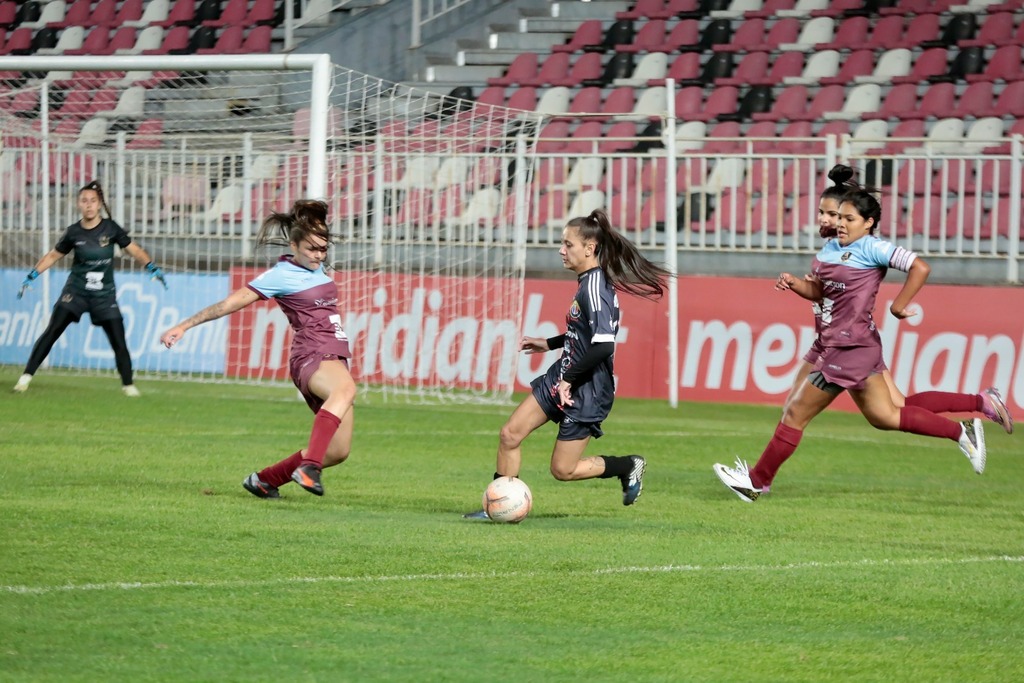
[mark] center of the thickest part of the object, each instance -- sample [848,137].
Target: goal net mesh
[428,207]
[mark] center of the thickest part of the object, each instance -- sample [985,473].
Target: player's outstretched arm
[235,301]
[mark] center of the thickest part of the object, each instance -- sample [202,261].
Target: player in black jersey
[578,389]
[90,286]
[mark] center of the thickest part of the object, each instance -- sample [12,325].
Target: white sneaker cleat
[23,383]
[995,409]
[738,480]
[972,443]
[130,391]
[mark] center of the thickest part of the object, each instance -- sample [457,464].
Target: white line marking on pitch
[456,576]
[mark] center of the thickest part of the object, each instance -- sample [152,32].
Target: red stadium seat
[684,36]
[790,105]
[182,14]
[752,70]
[936,102]
[524,66]
[588,34]
[553,71]
[997,30]
[1005,65]
[859,63]
[587,66]
[649,38]
[899,102]
[975,100]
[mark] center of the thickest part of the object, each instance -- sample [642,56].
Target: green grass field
[131,553]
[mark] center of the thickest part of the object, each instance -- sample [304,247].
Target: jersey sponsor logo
[326,302]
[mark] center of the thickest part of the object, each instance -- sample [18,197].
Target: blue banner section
[148,310]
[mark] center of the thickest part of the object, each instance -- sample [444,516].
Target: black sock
[616,466]
[497,476]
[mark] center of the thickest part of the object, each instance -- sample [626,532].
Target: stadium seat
[820,65]
[232,12]
[886,33]
[684,70]
[555,68]
[784,31]
[585,174]
[813,32]
[649,38]
[848,35]
[931,63]
[174,41]
[619,101]
[968,61]
[620,136]
[924,214]
[752,70]
[892,64]
[70,38]
[523,67]
[750,32]
[770,9]
[921,31]
[690,136]
[1010,102]
[723,138]
[689,102]
[131,103]
[642,9]
[723,100]
[976,99]
[19,42]
[523,99]
[652,66]
[982,133]
[588,34]
[76,13]
[959,27]
[899,103]
[683,37]
[859,63]
[183,194]
[619,66]
[257,40]
[152,13]
[148,135]
[552,101]
[181,13]
[586,101]
[228,42]
[828,99]
[1005,65]
[586,138]
[716,32]
[624,210]
[946,135]
[902,136]
[50,13]
[997,223]
[95,42]
[587,66]
[938,100]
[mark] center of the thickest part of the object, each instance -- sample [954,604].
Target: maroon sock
[325,424]
[920,421]
[945,402]
[783,443]
[280,473]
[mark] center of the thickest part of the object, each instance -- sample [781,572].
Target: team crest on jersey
[574,310]
[67,298]
[846,256]
[104,241]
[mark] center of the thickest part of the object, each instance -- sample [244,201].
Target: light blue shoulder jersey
[850,276]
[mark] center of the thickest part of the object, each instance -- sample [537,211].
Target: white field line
[473,576]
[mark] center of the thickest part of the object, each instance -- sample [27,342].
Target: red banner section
[739,339]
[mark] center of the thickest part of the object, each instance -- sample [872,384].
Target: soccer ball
[507,499]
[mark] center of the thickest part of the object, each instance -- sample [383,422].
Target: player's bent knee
[561,474]
[509,437]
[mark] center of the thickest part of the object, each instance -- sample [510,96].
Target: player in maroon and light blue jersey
[845,279]
[578,389]
[319,354]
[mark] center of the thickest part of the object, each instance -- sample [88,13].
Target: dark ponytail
[623,264]
[842,177]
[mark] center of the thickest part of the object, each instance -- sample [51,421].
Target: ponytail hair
[94,186]
[623,264]
[307,217]
[842,177]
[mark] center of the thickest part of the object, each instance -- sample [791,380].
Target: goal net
[428,205]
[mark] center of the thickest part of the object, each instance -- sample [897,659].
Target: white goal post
[428,198]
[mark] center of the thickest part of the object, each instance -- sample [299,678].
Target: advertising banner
[739,339]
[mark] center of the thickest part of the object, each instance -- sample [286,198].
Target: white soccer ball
[507,499]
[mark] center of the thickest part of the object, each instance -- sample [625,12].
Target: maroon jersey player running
[319,354]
